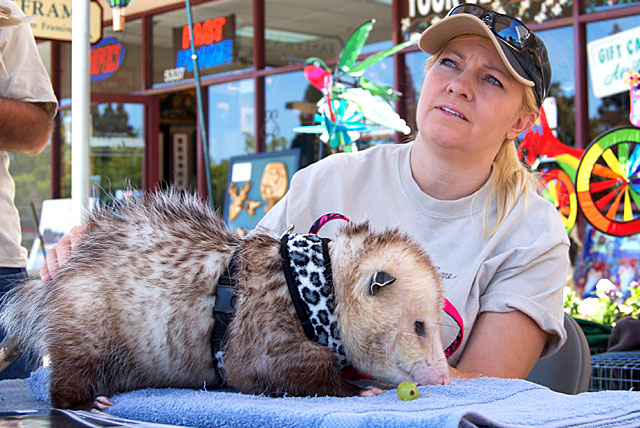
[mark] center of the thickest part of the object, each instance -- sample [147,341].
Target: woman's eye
[491,79]
[448,62]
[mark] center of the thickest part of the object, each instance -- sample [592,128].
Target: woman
[460,190]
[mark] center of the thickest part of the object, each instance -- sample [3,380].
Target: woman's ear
[523,122]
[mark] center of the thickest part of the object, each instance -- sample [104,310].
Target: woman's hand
[59,253]
[505,345]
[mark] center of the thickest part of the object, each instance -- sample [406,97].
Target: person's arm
[26,126]
[505,345]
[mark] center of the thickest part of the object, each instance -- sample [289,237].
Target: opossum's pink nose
[427,374]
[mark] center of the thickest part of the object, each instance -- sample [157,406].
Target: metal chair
[568,370]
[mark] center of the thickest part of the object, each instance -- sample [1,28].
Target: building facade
[146,126]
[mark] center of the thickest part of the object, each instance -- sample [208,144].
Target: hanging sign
[609,58]
[53,19]
[106,58]
[213,41]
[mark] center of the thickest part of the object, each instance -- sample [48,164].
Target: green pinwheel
[351,103]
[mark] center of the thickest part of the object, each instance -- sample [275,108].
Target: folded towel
[466,403]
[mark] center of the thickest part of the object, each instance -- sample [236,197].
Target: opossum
[132,308]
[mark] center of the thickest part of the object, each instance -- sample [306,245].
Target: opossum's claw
[101,403]
[372,391]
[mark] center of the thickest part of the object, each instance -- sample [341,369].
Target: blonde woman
[460,190]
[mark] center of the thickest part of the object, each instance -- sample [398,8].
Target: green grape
[407,391]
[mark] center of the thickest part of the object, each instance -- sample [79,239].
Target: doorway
[178,140]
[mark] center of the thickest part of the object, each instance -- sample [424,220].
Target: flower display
[608,306]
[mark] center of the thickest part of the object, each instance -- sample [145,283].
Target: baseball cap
[522,52]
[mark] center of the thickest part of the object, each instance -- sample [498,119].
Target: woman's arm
[502,344]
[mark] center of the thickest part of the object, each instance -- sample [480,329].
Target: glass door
[123,146]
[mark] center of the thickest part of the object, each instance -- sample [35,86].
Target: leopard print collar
[307,268]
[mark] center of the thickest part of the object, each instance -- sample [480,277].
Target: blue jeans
[20,368]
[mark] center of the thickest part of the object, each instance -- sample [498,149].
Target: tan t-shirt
[521,267]
[22,77]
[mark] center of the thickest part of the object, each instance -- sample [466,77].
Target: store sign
[428,7]
[213,41]
[106,58]
[609,58]
[53,19]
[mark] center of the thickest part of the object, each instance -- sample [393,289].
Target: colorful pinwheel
[351,103]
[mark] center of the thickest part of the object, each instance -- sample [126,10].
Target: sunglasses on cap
[509,30]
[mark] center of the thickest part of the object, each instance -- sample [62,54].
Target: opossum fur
[132,308]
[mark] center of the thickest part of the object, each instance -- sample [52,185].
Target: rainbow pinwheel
[352,104]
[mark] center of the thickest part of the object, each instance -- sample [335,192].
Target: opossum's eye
[379,279]
[418,326]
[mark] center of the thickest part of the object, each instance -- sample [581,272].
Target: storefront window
[608,95]
[115,150]
[381,74]
[290,102]
[125,77]
[32,176]
[415,63]
[598,5]
[302,29]
[561,97]
[230,130]
[222,42]
[116,65]
[422,13]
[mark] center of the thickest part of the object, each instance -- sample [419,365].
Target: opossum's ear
[379,279]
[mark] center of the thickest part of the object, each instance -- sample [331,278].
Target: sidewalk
[16,395]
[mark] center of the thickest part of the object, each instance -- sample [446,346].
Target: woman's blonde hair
[510,179]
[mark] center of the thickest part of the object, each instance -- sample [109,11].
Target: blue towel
[466,403]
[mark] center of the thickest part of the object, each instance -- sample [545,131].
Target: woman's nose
[461,86]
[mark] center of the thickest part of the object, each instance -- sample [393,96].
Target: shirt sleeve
[23,76]
[275,219]
[531,280]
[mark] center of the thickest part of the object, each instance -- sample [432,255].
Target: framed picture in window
[255,183]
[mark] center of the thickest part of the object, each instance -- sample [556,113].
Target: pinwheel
[352,104]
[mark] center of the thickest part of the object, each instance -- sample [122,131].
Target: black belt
[223,310]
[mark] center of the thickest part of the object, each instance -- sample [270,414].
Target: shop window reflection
[559,42]
[230,130]
[32,176]
[599,5]
[290,101]
[613,110]
[298,30]
[128,75]
[414,76]
[222,43]
[115,150]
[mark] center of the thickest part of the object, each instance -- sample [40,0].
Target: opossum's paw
[101,403]
[372,391]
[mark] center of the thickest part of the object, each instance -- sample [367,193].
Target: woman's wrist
[455,373]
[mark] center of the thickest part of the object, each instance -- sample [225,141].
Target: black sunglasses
[508,29]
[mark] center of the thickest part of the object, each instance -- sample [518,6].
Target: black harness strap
[223,311]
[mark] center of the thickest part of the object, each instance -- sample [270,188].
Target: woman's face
[470,102]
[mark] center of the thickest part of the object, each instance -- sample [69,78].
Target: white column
[80,115]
